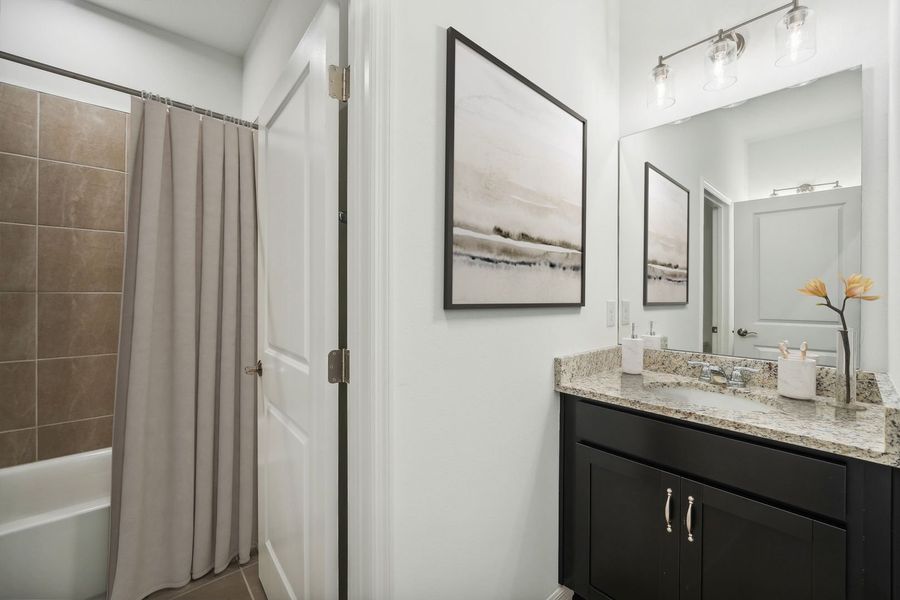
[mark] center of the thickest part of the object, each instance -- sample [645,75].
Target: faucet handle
[737,375]
[704,368]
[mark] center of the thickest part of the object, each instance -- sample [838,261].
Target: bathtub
[54,526]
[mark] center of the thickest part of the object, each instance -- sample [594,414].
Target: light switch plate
[610,313]
[626,313]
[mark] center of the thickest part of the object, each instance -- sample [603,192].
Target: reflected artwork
[666,237]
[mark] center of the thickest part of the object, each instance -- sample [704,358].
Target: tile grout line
[103,354]
[247,584]
[57,423]
[62,162]
[37,194]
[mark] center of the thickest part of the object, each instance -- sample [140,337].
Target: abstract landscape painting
[666,237]
[515,188]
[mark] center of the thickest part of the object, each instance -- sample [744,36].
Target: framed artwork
[666,239]
[515,188]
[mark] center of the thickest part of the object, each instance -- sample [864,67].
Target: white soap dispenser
[633,354]
[652,341]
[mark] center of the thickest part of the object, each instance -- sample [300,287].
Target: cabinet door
[740,549]
[626,548]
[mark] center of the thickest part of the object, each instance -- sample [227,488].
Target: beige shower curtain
[184,441]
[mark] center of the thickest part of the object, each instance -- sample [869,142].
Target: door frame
[722,268]
[368,310]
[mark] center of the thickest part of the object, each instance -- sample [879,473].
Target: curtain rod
[121,88]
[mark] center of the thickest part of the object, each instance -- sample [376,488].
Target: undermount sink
[714,399]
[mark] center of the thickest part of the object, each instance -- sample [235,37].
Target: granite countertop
[872,434]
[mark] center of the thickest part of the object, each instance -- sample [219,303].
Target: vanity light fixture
[804,188]
[795,37]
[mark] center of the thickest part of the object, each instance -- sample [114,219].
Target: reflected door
[779,244]
[298,312]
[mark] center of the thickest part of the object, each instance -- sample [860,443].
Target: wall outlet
[625,313]
[610,313]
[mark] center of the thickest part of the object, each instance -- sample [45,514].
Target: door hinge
[339,82]
[339,366]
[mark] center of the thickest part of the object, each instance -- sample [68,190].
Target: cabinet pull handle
[668,511]
[690,518]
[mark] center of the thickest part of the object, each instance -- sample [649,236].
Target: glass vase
[845,376]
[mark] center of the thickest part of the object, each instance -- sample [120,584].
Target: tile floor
[234,583]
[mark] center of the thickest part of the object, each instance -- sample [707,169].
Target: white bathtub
[54,527]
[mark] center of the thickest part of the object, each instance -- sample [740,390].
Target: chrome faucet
[716,374]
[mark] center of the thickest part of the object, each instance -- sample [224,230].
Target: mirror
[723,216]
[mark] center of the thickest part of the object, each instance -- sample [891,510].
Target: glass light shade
[721,64]
[795,37]
[661,87]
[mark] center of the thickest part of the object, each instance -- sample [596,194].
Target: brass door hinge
[339,82]
[339,366]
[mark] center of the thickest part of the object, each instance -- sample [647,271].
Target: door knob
[744,333]
[254,370]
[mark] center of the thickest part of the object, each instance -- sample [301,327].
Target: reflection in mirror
[771,198]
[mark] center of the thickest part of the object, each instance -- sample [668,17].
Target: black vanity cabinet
[656,509]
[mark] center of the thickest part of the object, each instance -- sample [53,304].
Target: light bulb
[795,37]
[661,91]
[721,59]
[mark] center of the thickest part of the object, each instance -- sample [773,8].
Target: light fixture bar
[806,187]
[723,32]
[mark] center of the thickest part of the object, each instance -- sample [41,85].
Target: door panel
[747,550]
[780,243]
[632,554]
[298,300]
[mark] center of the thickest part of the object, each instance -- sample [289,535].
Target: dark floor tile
[170,593]
[230,587]
[70,389]
[17,447]
[18,120]
[75,196]
[16,395]
[18,262]
[18,189]
[251,574]
[71,438]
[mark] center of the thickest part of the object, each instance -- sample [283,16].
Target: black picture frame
[648,168]
[453,38]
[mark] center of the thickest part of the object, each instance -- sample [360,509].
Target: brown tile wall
[62,221]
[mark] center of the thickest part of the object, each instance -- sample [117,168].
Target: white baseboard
[561,593]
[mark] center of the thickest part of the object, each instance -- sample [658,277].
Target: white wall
[893,299]
[849,34]
[80,37]
[828,153]
[474,415]
[702,149]
[277,36]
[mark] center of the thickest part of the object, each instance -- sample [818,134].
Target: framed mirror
[760,197]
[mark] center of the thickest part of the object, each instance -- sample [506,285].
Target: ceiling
[227,25]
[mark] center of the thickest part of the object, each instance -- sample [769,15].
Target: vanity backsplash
[676,363]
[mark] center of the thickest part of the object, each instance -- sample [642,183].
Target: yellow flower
[814,287]
[857,285]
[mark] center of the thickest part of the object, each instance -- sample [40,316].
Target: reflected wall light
[795,38]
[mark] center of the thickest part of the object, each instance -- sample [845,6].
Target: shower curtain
[184,439]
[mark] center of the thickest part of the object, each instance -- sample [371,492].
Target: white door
[779,244]
[298,323]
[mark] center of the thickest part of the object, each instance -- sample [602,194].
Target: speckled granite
[578,365]
[872,434]
[674,361]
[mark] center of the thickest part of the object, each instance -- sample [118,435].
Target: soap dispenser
[633,354]
[652,341]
